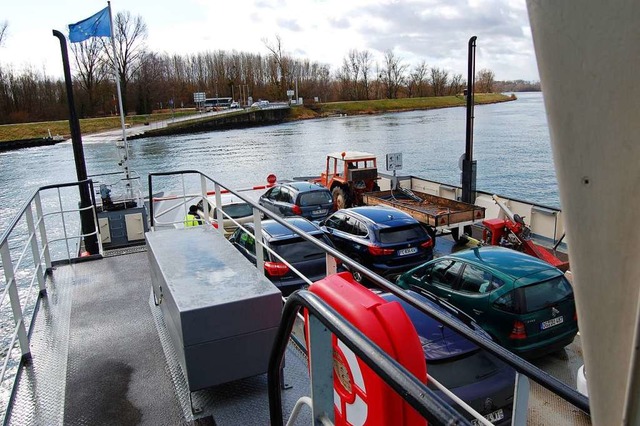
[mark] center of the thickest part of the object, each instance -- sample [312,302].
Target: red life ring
[360,396]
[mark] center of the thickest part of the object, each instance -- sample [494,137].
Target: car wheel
[357,275]
[340,200]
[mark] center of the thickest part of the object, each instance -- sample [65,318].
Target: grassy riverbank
[393,105]
[13,132]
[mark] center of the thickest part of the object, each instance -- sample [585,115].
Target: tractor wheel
[340,199]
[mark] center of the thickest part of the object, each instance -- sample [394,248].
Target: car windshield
[472,368]
[236,211]
[315,197]
[402,234]
[298,249]
[546,293]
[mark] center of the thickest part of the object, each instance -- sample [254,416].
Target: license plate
[550,323]
[496,416]
[319,212]
[406,251]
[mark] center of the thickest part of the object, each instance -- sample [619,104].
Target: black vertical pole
[86,217]
[468,165]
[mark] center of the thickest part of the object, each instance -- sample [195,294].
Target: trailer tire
[455,232]
[340,199]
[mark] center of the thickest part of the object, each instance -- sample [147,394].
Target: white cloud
[321,30]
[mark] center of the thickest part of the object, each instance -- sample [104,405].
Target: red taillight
[296,209]
[379,251]
[518,331]
[427,244]
[215,224]
[276,269]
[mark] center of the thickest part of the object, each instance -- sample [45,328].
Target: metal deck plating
[101,355]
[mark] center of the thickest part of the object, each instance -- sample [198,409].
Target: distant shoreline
[309,111]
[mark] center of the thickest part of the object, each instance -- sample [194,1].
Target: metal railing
[523,368]
[27,256]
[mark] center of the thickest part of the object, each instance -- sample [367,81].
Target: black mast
[86,217]
[468,164]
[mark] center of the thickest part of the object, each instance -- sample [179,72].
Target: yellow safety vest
[191,220]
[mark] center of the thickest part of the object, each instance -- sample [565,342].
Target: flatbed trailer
[437,213]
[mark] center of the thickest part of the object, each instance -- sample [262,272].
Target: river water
[511,146]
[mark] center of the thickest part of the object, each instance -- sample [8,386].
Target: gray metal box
[221,313]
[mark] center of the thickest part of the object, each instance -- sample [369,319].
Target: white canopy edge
[588,55]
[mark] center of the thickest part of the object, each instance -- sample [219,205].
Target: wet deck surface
[101,355]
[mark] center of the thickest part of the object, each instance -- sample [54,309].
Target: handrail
[410,388]
[16,218]
[23,268]
[549,382]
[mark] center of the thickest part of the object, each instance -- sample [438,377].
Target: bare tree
[456,85]
[364,63]
[3,31]
[418,81]
[393,74]
[485,78]
[354,66]
[281,61]
[439,78]
[90,61]
[130,35]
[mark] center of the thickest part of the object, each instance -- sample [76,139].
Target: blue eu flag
[98,25]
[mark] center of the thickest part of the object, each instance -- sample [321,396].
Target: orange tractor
[349,175]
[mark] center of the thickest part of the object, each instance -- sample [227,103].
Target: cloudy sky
[436,31]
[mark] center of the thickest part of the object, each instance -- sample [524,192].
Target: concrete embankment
[27,143]
[235,120]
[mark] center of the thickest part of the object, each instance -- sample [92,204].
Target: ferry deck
[101,353]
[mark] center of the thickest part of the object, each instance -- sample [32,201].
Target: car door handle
[477,311]
[447,296]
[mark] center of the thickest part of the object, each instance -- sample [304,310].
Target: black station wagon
[303,255]
[383,239]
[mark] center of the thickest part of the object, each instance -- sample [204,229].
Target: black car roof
[272,230]
[382,215]
[301,186]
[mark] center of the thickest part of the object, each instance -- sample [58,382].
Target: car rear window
[298,249]
[236,211]
[546,294]
[466,370]
[536,296]
[402,234]
[315,197]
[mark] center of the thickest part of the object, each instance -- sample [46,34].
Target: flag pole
[125,162]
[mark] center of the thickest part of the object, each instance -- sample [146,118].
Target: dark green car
[525,304]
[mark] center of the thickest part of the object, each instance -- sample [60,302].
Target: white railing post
[520,400]
[94,209]
[64,225]
[331,264]
[321,370]
[14,298]
[257,226]
[43,231]
[205,203]
[37,263]
[219,215]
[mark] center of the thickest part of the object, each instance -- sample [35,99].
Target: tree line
[150,81]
